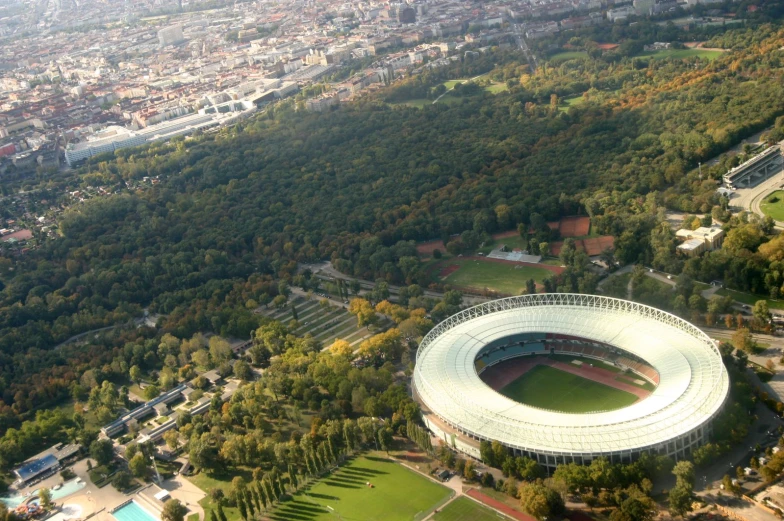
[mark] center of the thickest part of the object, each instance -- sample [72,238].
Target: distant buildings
[115,137]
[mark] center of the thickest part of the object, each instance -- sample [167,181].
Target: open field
[773,205]
[550,388]
[683,53]
[221,480]
[567,55]
[464,509]
[397,494]
[480,274]
[495,88]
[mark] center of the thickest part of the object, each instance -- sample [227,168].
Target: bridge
[756,169]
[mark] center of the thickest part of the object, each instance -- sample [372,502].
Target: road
[524,46]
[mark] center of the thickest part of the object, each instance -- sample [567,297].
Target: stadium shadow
[341,485]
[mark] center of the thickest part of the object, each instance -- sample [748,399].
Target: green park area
[749,298]
[567,55]
[480,274]
[397,493]
[773,205]
[683,53]
[556,390]
[464,509]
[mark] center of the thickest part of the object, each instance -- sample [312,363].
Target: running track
[497,505]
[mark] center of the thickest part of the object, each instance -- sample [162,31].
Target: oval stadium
[567,378]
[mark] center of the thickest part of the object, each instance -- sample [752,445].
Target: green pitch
[464,509]
[773,205]
[480,274]
[550,388]
[397,494]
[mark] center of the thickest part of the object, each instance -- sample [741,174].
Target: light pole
[157,474]
[334,512]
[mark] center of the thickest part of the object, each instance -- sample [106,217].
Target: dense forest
[235,211]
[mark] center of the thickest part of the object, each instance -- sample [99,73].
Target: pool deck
[101,501]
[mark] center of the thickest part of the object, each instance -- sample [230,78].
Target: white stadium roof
[692,388]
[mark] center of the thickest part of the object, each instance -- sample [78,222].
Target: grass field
[464,509]
[749,298]
[221,480]
[550,388]
[567,55]
[397,494]
[773,205]
[683,53]
[495,88]
[504,278]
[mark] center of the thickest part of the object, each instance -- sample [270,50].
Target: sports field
[480,274]
[464,509]
[773,205]
[397,494]
[549,388]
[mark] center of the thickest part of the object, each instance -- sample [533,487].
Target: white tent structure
[676,417]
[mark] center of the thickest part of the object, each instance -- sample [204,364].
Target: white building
[171,35]
[702,239]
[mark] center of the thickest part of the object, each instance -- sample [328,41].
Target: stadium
[567,378]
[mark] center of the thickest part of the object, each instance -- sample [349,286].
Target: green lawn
[749,298]
[221,480]
[464,509]
[773,205]
[567,55]
[397,494]
[478,274]
[683,53]
[495,88]
[451,83]
[550,388]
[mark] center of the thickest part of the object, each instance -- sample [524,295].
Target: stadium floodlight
[675,418]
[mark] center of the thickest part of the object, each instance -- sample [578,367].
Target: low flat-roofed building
[712,237]
[692,247]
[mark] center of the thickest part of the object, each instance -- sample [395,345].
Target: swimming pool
[67,489]
[133,512]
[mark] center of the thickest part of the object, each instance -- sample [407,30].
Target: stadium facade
[685,365]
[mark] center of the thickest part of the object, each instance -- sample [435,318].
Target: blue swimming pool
[133,512]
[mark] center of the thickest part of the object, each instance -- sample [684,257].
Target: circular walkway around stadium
[692,388]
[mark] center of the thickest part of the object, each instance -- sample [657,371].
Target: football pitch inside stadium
[549,388]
